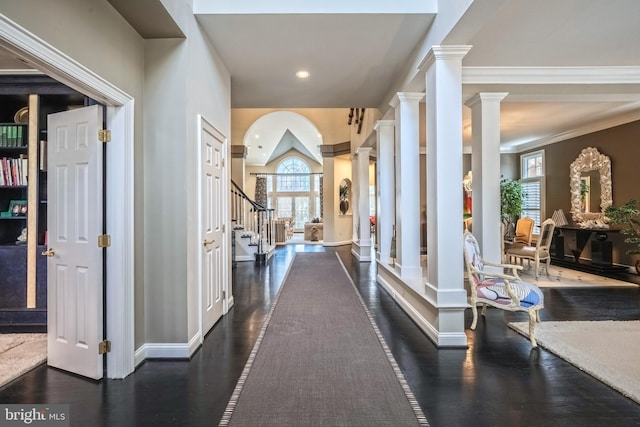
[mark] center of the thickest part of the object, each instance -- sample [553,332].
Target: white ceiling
[357,60]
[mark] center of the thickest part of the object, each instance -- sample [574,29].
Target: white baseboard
[346,242]
[167,350]
[242,258]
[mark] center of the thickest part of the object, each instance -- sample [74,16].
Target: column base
[362,252]
[409,272]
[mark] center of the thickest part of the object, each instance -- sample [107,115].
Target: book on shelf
[12,135]
[13,171]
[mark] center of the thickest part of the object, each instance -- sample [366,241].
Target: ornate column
[445,277]
[485,164]
[361,247]
[407,188]
[385,133]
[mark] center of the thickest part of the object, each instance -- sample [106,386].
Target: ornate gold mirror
[590,177]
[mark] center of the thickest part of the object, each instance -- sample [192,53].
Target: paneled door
[74,222]
[212,185]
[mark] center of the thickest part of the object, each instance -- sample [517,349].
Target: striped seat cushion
[494,290]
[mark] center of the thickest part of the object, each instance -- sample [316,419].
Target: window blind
[532,206]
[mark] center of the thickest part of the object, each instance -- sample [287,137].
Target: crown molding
[551,75]
[591,127]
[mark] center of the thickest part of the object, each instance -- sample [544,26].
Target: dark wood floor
[498,381]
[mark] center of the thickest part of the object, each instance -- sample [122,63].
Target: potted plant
[511,201]
[628,215]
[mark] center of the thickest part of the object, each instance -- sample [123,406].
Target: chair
[540,252]
[503,291]
[524,232]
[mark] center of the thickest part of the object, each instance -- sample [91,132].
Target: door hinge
[223,228]
[104,135]
[104,241]
[104,347]
[224,295]
[223,162]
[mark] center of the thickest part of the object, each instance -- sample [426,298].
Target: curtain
[261,190]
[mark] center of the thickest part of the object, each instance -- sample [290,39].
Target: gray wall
[622,145]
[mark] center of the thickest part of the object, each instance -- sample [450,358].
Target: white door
[212,221]
[74,221]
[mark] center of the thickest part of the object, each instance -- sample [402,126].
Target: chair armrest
[496,264]
[492,274]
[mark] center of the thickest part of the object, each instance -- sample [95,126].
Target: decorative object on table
[511,201]
[628,215]
[559,218]
[597,167]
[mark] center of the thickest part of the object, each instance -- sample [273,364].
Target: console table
[601,249]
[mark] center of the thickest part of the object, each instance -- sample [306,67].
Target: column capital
[444,52]
[401,97]
[486,97]
[363,150]
[382,123]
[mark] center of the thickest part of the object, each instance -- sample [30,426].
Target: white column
[485,164]
[407,118]
[361,247]
[445,285]
[355,197]
[385,133]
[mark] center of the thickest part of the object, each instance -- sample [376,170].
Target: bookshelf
[25,103]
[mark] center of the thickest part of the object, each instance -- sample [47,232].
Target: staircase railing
[254,219]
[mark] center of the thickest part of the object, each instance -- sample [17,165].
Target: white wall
[184,78]
[97,37]
[209,88]
[165,181]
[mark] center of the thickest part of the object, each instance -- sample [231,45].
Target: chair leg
[484,310]
[474,310]
[537,264]
[532,325]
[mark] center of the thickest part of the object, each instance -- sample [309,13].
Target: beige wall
[331,122]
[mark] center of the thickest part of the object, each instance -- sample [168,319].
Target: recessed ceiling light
[257,136]
[302,74]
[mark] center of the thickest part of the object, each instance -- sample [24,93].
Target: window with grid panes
[532,179]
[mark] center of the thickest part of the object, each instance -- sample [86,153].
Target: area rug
[560,277]
[607,350]
[319,360]
[19,353]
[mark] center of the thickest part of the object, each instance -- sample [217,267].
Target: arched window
[293,175]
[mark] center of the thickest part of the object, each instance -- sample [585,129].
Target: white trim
[21,72]
[341,243]
[440,339]
[590,127]
[243,258]
[120,261]
[551,75]
[168,350]
[198,148]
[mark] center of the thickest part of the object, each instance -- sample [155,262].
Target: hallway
[499,380]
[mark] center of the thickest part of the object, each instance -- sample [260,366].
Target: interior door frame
[228,301]
[120,182]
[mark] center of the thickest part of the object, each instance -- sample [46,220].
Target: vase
[344,206]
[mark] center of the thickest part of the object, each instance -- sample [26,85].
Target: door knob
[49,252]
[206,242]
